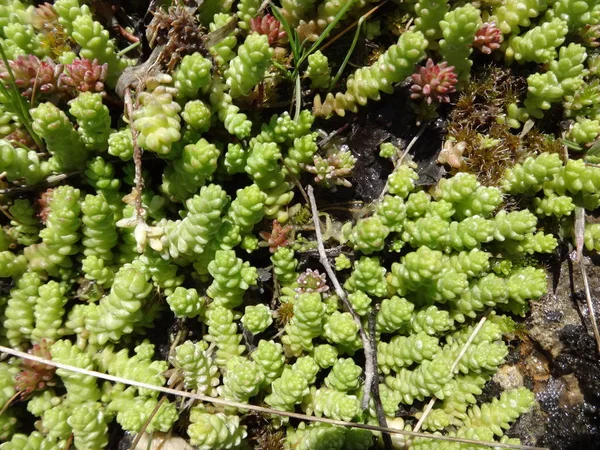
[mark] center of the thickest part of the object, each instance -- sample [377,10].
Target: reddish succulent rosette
[269,26]
[83,75]
[434,82]
[32,74]
[488,38]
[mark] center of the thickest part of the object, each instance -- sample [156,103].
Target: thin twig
[52,179]
[579,230]
[138,179]
[6,213]
[146,423]
[352,25]
[460,355]
[259,409]
[295,180]
[9,402]
[398,162]
[412,142]
[327,139]
[425,413]
[143,233]
[590,303]
[175,342]
[387,439]
[474,334]
[367,345]
[34,88]
[69,442]
[298,98]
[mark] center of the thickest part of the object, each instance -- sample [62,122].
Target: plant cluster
[118,222]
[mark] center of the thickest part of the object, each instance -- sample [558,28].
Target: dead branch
[51,181]
[579,230]
[137,159]
[399,159]
[462,352]
[387,439]
[367,344]
[259,409]
[146,423]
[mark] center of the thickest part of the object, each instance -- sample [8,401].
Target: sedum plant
[248,67]
[143,220]
[157,121]
[366,83]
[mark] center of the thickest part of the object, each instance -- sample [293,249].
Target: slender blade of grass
[571,145]
[292,34]
[327,30]
[338,75]
[298,95]
[281,67]
[365,16]
[21,104]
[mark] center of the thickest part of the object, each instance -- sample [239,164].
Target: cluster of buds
[434,82]
[311,281]
[488,38]
[83,75]
[31,73]
[278,237]
[334,169]
[44,17]
[46,77]
[270,27]
[35,376]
